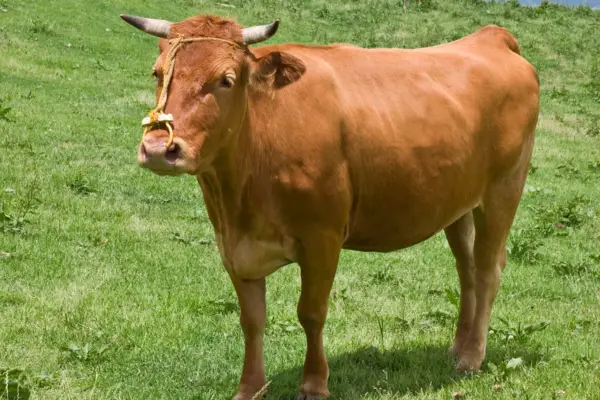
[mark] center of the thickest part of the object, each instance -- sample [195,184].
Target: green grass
[110,282]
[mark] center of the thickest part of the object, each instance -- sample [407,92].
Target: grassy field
[110,281]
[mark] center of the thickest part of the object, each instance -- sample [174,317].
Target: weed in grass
[533,169]
[502,370]
[27,95]
[594,165]
[383,275]
[441,317]
[399,324]
[340,295]
[585,359]
[567,171]
[189,240]
[13,220]
[282,326]
[44,380]
[559,219]
[87,352]
[395,325]
[436,292]
[576,269]
[520,333]
[101,66]
[152,199]
[583,324]
[423,5]
[588,360]
[381,326]
[382,385]
[593,127]
[10,223]
[593,85]
[453,298]
[222,306]
[559,117]
[40,27]
[11,299]
[14,384]
[524,245]
[81,185]
[559,93]
[91,241]
[4,112]
[572,214]
[534,191]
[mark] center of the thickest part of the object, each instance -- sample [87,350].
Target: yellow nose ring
[155,118]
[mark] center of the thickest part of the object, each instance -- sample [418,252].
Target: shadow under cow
[368,371]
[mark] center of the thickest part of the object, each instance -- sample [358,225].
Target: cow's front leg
[251,295]
[318,263]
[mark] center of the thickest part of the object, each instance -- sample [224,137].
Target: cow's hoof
[313,389]
[257,396]
[454,350]
[246,393]
[241,396]
[469,363]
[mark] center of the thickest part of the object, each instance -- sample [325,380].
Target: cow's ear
[276,70]
[163,45]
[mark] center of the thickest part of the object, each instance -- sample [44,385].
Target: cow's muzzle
[154,154]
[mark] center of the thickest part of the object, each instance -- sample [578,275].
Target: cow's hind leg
[493,219]
[318,263]
[460,236]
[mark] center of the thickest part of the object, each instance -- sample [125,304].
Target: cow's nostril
[173,153]
[143,151]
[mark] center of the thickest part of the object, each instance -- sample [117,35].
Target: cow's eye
[227,82]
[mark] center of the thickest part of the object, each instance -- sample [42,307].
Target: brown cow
[302,151]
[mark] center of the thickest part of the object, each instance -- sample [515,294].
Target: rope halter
[157,116]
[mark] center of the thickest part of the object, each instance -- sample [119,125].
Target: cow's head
[208,92]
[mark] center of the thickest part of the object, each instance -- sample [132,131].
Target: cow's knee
[310,323]
[311,320]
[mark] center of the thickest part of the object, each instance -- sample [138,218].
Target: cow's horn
[256,34]
[155,27]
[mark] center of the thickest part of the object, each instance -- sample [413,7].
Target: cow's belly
[396,229]
[399,206]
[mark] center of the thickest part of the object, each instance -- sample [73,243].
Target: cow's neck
[234,189]
[226,182]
